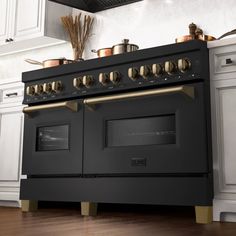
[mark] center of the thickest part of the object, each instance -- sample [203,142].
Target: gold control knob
[157,69]
[38,89]
[78,82]
[104,79]
[115,77]
[133,73]
[56,86]
[30,90]
[170,67]
[87,81]
[184,64]
[47,87]
[145,71]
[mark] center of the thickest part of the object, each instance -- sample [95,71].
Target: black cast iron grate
[94,5]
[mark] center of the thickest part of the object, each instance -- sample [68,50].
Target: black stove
[129,128]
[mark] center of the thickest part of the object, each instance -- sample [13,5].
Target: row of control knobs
[46,88]
[114,77]
[134,73]
[169,67]
[104,78]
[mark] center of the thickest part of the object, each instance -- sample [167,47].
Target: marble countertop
[222,42]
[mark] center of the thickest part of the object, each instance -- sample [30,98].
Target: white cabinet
[223,99]
[4,22]
[11,133]
[30,24]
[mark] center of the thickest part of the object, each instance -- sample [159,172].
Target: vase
[77,54]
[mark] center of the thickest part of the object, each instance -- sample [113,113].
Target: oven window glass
[158,130]
[52,138]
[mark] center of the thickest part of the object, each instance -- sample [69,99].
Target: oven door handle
[71,105]
[184,89]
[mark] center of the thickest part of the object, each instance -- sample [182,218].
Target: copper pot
[50,62]
[103,52]
[203,37]
[124,47]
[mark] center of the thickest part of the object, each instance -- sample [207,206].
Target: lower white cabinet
[11,134]
[223,105]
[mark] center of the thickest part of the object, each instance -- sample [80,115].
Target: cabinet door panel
[27,22]
[10,144]
[4,20]
[228,122]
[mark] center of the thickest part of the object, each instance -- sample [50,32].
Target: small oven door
[155,131]
[53,139]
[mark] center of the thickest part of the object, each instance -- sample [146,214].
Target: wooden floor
[112,220]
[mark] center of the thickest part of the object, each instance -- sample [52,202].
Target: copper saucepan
[124,47]
[197,33]
[50,62]
[203,37]
[103,52]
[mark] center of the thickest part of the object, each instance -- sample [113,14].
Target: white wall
[148,23]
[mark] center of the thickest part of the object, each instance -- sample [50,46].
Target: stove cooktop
[153,67]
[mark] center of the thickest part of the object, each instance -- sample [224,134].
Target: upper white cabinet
[30,24]
[223,105]
[4,20]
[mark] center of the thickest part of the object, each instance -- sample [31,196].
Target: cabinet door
[11,120]
[28,22]
[224,131]
[4,20]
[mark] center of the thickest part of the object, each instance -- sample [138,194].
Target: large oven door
[154,131]
[53,139]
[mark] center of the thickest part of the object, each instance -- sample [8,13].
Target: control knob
[38,89]
[104,79]
[184,64]
[115,77]
[30,90]
[47,87]
[157,69]
[78,82]
[145,71]
[87,81]
[133,73]
[56,86]
[170,67]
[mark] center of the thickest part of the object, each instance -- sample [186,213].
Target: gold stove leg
[29,205]
[88,208]
[203,214]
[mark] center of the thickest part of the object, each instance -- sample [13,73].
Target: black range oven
[130,128]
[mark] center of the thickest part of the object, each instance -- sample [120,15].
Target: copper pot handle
[228,33]
[34,62]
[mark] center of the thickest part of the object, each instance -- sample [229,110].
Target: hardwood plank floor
[112,220]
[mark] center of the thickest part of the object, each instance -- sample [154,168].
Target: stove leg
[203,214]
[29,205]
[88,208]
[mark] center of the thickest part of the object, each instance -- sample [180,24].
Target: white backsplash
[148,23]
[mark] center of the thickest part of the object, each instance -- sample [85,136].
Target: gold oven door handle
[71,105]
[187,90]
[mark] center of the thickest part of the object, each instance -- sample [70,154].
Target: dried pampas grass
[79,29]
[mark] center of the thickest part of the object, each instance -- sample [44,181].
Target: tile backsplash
[148,23]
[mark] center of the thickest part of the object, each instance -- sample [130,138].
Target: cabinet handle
[11,39]
[7,40]
[187,90]
[228,61]
[11,94]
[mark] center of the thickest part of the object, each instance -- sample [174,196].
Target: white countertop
[222,42]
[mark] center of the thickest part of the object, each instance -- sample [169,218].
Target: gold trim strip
[71,105]
[187,90]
